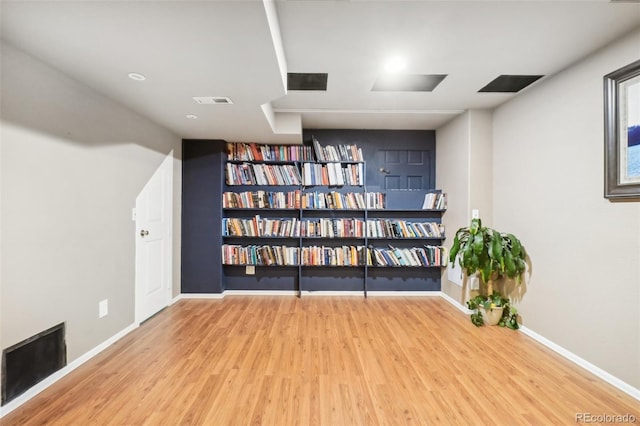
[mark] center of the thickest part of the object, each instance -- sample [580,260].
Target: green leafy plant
[490,254]
[509,317]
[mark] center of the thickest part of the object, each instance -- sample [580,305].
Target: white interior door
[153,242]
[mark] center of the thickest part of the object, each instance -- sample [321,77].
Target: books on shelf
[426,256]
[280,255]
[341,201]
[262,174]
[435,201]
[317,165]
[396,228]
[261,200]
[333,174]
[332,256]
[375,200]
[240,151]
[307,200]
[332,228]
[337,153]
[262,255]
[260,227]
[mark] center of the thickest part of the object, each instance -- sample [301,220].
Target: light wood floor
[322,361]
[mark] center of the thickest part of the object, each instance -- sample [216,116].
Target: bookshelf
[303,214]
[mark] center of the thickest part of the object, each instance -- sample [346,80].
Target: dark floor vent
[32,360]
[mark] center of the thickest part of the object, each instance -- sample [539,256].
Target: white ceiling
[243,49]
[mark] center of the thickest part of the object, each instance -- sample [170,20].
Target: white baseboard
[182,296]
[39,387]
[455,303]
[599,372]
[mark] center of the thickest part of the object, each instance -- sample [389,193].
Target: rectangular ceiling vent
[212,100]
[510,83]
[407,82]
[307,81]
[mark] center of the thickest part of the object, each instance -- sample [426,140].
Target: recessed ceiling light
[395,64]
[191,116]
[137,76]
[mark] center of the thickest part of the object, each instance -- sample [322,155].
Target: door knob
[144,233]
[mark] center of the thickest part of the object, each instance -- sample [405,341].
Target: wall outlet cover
[103,308]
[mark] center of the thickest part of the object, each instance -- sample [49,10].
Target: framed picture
[622,133]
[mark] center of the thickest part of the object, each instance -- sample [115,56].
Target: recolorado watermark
[605,418]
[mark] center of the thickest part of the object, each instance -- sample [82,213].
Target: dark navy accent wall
[202,181]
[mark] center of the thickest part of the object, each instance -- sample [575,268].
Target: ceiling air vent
[307,81]
[510,83]
[407,82]
[212,100]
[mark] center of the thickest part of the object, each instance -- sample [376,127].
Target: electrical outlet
[474,283]
[475,214]
[103,308]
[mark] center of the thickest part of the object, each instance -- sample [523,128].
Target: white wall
[584,289]
[452,176]
[464,172]
[72,164]
[481,164]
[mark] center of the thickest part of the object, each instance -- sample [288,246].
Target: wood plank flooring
[322,361]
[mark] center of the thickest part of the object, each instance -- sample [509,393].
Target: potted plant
[491,255]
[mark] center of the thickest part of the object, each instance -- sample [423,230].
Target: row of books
[333,256]
[329,228]
[262,174]
[395,228]
[288,228]
[308,200]
[338,201]
[291,256]
[415,256]
[261,200]
[333,228]
[266,255]
[253,152]
[333,174]
[435,201]
[241,151]
[260,227]
[337,153]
